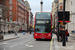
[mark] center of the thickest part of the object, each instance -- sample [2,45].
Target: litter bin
[1,37]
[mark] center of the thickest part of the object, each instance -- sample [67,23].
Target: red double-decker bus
[43,25]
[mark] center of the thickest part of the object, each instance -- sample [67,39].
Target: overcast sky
[35,5]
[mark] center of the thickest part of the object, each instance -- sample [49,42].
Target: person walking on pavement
[9,31]
[15,33]
[66,35]
[30,31]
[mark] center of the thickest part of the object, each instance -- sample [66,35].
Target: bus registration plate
[42,38]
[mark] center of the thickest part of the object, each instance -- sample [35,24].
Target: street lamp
[41,5]
[57,1]
[63,42]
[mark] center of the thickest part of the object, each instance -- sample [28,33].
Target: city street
[25,42]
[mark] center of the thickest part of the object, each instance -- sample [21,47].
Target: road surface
[25,42]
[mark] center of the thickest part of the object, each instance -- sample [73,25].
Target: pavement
[70,45]
[11,36]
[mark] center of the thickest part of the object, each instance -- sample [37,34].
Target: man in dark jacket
[30,31]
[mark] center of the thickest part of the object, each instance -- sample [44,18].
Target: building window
[25,13]
[10,7]
[10,13]
[18,14]
[25,16]
[10,19]
[10,1]
[25,21]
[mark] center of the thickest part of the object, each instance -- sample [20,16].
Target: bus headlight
[48,34]
[36,34]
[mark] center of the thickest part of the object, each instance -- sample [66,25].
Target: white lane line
[4,49]
[23,42]
[26,44]
[30,41]
[4,43]
[13,45]
[31,46]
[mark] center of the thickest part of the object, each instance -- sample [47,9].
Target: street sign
[4,28]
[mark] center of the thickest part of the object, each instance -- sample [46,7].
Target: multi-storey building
[54,12]
[57,5]
[3,13]
[17,15]
[31,21]
[30,14]
[70,6]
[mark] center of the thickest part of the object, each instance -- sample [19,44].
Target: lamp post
[41,5]
[57,21]
[64,42]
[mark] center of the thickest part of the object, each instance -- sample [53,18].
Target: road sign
[4,28]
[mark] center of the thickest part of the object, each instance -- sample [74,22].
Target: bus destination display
[42,22]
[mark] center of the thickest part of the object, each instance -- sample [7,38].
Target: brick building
[17,15]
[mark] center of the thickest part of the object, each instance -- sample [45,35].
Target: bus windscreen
[42,28]
[43,16]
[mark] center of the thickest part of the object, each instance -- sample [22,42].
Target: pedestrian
[60,35]
[23,33]
[9,31]
[33,33]
[66,35]
[30,31]
[15,33]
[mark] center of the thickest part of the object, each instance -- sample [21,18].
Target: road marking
[13,45]
[27,45]
[23,42]
[30,41]
[4,43]
[31,46]
[4,49]
[51,44]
